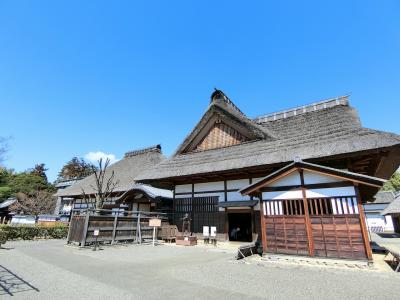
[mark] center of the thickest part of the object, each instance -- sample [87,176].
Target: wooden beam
[263,228]
[363,224]
[306,215]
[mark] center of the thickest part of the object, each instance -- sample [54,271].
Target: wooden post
[263,228]
[85,228]
[69,225]
[114,229]
[363,224]
[138,230]
[306,215]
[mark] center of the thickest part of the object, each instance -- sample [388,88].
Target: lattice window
[316,206]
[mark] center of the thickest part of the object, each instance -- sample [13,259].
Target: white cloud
[95,156]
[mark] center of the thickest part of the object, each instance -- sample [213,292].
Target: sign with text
[154,222]
[96,232]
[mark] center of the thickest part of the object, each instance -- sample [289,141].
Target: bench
[396,257]
[247,250]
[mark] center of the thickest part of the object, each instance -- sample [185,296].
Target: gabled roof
[151,192]
[317,131]
[392,208]
[302,165]
[125,170]
[383,197]
[221,108]
[7,203]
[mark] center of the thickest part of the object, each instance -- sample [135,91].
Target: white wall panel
[330,192]
[291,179]
[209,186]
[236,196]
[237,184]
[183,188]
[283,195]
[312,178]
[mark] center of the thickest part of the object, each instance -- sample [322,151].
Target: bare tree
[103,186]
[40,202]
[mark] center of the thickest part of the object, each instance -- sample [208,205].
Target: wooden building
[376,222]
[393,210]
[127,194]
[227,152]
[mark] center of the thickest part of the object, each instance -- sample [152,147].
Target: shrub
[33,232]
[3,237]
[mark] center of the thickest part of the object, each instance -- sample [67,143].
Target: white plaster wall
[313,193]
[312,178]
[376,220]
[283,195]
[291,179]
[183,188]
[237,184]
[330,192]
[389,223]
[209,186]
[236,196]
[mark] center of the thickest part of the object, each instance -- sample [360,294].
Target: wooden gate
[330,227]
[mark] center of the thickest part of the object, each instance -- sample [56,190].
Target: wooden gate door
[333,230]
[285,226]
[336,228]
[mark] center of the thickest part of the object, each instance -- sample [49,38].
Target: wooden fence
[122,226]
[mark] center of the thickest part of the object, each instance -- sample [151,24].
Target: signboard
[154,222]
[96,232]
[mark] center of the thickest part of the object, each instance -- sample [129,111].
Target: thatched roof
[393,208]
[224,108]
[125,170]
[319,130]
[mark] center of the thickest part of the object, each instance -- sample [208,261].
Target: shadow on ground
[11,283]
[389,235]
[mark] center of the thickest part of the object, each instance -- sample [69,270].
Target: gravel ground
[51,270]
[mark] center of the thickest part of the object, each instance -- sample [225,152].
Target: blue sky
[112,76]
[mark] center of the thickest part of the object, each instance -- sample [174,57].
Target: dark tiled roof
[314,134]
[392,208]
[383,197]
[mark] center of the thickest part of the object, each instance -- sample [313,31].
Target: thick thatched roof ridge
[125,170]
[316,134]
[224,107]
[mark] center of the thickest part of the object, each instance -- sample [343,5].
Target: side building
[227,152]
[376,222]
[127,194]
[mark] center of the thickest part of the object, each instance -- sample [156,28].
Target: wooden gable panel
[220,135]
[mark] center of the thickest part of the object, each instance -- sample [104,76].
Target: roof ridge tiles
[155,148]
[316,106]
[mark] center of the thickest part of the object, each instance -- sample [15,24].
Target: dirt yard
[51,270]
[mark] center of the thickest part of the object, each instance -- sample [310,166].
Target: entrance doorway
[240,228]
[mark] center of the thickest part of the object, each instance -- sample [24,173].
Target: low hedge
[33,232]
